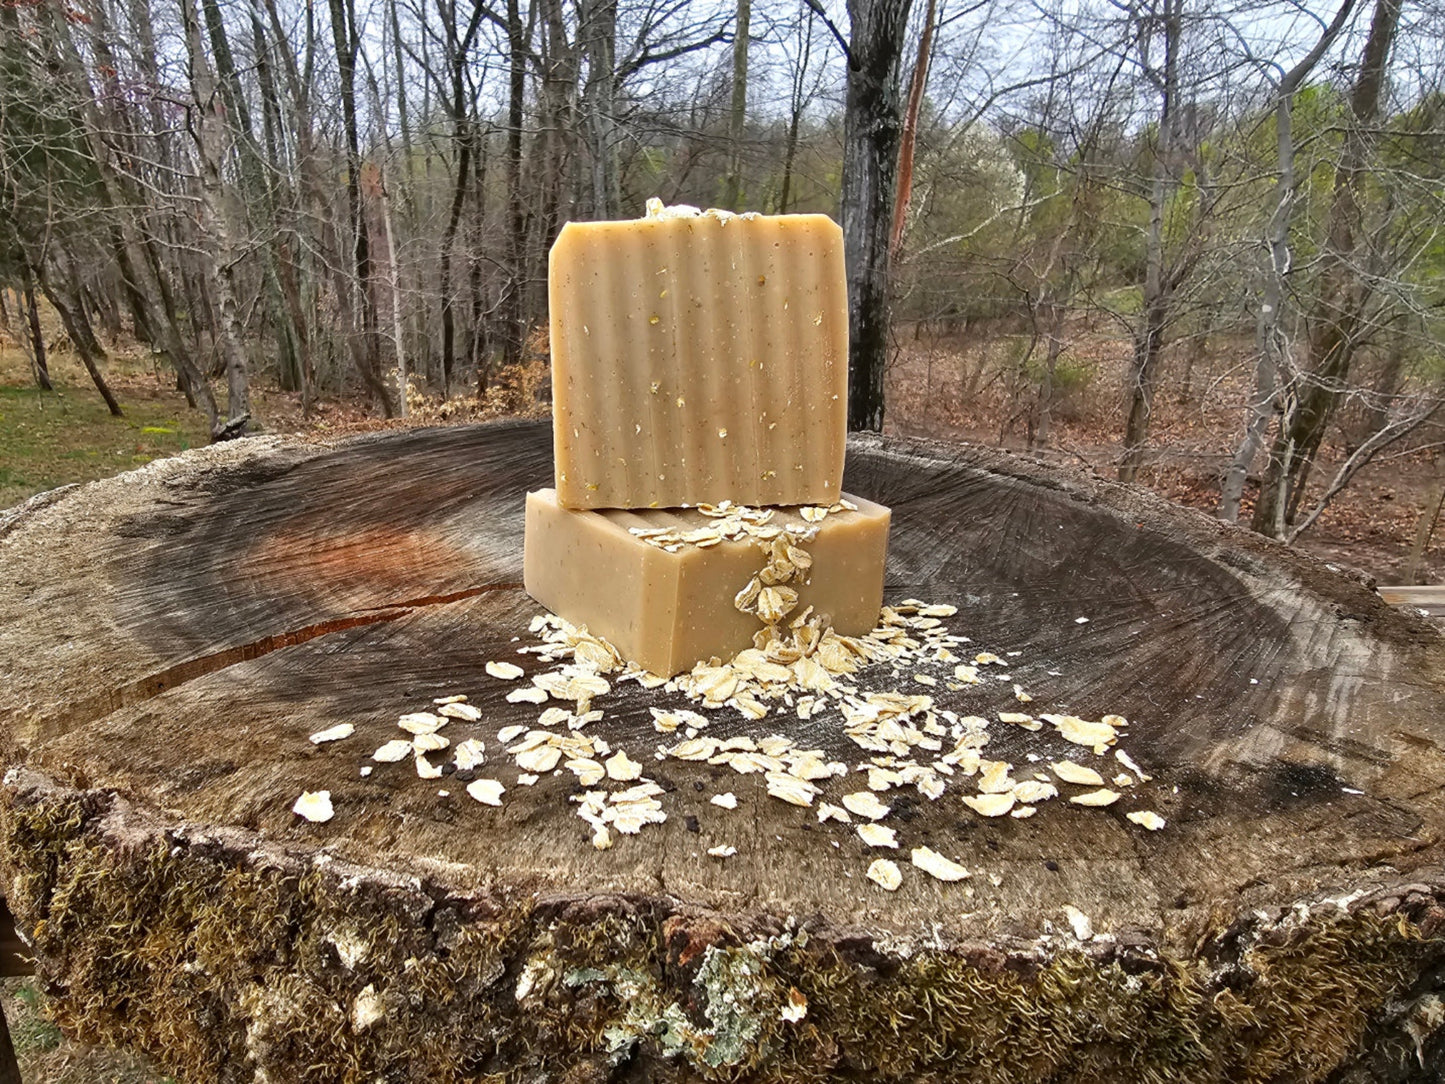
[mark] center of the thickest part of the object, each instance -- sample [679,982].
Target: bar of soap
[612,571]
[699,357]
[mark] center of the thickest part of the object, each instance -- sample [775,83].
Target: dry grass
[47,1057]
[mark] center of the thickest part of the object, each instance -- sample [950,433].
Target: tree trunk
[1043,431]
[1339,309]
[872,127]
[557,129]
[78,330]
[1287,922]
[32,327]
[597,36]
[1271,346]
[344,35]
[514,318]
[916,86]
[738,107]
[797,100]
[1158,281]
[225,255]
[137,251]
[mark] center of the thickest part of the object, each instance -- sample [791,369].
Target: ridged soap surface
[699,359]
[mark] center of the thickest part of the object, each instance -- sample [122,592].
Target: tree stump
[170,637]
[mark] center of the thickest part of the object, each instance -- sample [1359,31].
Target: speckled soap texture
[666,611]
[699,358]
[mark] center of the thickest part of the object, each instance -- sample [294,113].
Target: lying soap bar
[667,604]
[699,359]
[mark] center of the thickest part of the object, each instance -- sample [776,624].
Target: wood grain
[170,638]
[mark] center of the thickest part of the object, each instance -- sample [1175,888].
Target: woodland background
[1196,243]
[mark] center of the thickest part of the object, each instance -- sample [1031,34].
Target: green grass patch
[49,439]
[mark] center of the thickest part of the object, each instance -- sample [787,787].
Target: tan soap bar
[668,604]
[699,357]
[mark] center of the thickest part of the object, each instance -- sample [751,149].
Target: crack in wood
[82,712]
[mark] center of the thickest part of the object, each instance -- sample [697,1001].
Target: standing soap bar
[699,357]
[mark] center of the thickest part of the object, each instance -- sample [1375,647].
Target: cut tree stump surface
[170,637]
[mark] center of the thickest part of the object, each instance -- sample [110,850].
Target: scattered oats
[967,674]
[1101,797]
[1123,779]
[531,695]
[726,800]
[934,864]
[995,778]
[506,671]
[1070,772]
[885,874]
[486,791]
[622,768]
[507,733]
[878,835]
[366,769]
[443,701]
[527,779]
[470,754]
[924,679]
[392,751]
[1147,818]
[541,759]
[601,837]
[1023,812]
[1021,696]
[1081,620]
[644,792]
[813,514]
[464,712]
[1128,762]
[989,805]
[553,716]
[588,772]
[775,603]
[421,722]
[723,851]
[1031,792]
[426,769]
[579,721]
[430,743]
[444,794]
[938,611]
[827,811]
[790,788]
[881,779]
[314,806]
[983,658]
[1083,928]
[333,733]
[865,804]
[1073,729]
[693,749]
[1028,722]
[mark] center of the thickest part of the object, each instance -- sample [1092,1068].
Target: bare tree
[1339,317]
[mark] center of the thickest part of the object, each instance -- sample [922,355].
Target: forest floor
[952,389]
[944,389]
